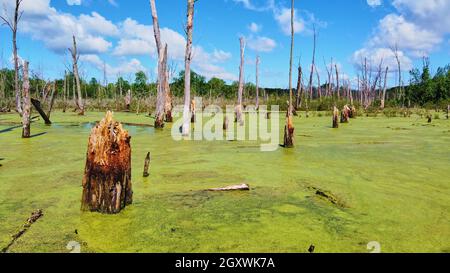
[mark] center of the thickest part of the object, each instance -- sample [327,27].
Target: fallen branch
[242,187]
[34,217]
[37,105]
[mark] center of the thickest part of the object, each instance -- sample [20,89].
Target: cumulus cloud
[55,29]
[385,56]
[283,18]
[261,44]
[125,67]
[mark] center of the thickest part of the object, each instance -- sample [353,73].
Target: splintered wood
[107,179]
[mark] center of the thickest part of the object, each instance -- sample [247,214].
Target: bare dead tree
[313,64]
[383,97]
[257,82]
[65,92]
[13,25]
[187,70]
[299,88]
[337,83]
[395,51]
[241,82]
[75,58]
[26,121]
[162,69]
[289,128]
[319,87]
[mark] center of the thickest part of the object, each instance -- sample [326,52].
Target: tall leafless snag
[13,25]
[299,99]
[337,83]
[394,50]
[162,70]
[168,102]
[289,128]
[26,102]
[239,109]
[383,97]
[186,130]
[75,57]
[313,64]
[257,82]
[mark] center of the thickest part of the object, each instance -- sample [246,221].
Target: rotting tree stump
[147,165]
[345,114]
[335,118]
[289,132]
[107,178]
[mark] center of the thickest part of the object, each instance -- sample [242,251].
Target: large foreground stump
[107,177]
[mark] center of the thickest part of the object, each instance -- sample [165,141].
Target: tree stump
[225,123]
[353,113]
[289,132]
[107,177]
[345,114]
[147,165]
[335,118]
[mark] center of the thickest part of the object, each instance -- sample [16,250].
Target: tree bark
[37,105]
[169,101]
[26,102]
[107,178]
[239,109]
[345,114]
[65,92]
[312,68]
[337,83]
[186,130]
[52,100]
[75,56]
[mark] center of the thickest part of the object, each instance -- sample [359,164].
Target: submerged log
[37,105]
[242,187]
[36,215]
[147,165]
[335,118]
[107,178]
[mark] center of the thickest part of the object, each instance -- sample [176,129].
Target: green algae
[392,174]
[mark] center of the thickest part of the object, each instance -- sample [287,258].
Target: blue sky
[117,34]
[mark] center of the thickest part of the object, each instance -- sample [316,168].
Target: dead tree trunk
[239,109]
[337,83]
[169,101]
[289,128]
[319,87]
[162,68]
[26,103]
[257,82]
[12,24]
[52,100]
[335,118]
[161,96]
[38,107]
[147,165]
[107,177]
[312,67]
[187,68]
[65,92]
[345,114]
[298,103]
[128,100]
[242,187]
[76,75]
[383,97]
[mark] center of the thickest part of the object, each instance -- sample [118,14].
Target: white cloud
[374,3]
[395,29]
[261,44]
[248,4]
[73,2]
[55,29]
[283,17]
[384,55]
[125,67]
[254,27]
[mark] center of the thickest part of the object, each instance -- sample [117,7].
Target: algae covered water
[382,179]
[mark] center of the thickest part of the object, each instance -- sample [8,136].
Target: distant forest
[424,89]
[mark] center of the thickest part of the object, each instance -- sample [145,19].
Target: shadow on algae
[375,179]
